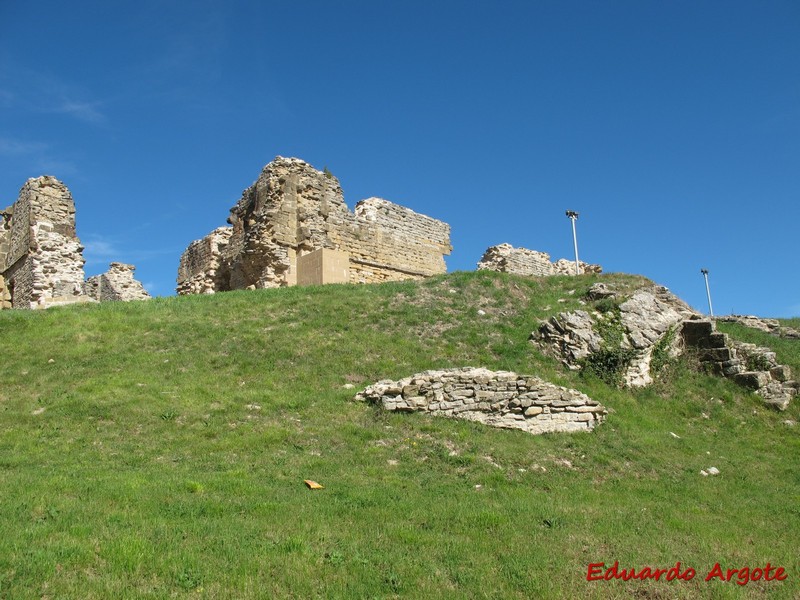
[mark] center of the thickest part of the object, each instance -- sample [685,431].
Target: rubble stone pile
[498,398]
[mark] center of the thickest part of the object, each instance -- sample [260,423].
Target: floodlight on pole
[708,292]
[573,216]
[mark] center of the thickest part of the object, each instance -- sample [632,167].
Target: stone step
[753,380]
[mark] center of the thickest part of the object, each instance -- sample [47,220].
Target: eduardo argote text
[741,576]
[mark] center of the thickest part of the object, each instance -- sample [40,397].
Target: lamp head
[572,214]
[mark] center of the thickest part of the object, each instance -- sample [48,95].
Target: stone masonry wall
[504,258]
[751,366]
[201,263]
[116,284]
[291,210]
[498,398]
[40,256]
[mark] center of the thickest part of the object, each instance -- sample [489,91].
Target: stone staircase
[753,367]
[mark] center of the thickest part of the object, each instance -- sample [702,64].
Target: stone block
[752,379]
[781,373]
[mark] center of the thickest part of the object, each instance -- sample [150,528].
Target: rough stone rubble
[771,326]
[116,284]
[498,398]
[294,210]
[654,319]
[751,366]
[504,258]
[41,257]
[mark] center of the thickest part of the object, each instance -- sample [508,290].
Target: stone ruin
[41,257]
[770,326]
[501,399]
[292,227]
[653,324]
[751,366]
[504,258]
[115,284]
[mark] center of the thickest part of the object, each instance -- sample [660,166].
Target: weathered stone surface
[116,284]
[293,210]
[771,326]
[751,366]
[649,313]
[497,398]
[41,258]
[504,258]
[642,320]
[571,336]
[201,268]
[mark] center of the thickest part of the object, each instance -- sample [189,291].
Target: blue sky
[672,127]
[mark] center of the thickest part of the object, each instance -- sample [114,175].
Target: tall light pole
[573,216]
[708,292]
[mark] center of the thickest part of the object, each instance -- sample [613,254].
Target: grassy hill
[158,450]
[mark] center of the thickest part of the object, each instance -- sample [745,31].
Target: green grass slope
[158,450]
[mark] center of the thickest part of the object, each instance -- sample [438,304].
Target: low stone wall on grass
[497,398]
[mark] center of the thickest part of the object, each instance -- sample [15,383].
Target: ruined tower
[41,260]
[293,227]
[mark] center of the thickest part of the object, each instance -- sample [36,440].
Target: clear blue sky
[672,127]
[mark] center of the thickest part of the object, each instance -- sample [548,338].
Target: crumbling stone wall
[41,258]
[504,258]
[751,366]
[498,398]
[771,326]
[201,267]
[292,210]
[650,322]
[115,284]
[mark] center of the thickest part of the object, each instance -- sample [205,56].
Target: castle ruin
[292,227]
[504,258]
[41,260]
[41,257]
[115,284]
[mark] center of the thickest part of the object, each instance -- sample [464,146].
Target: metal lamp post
[573,216]
[708,292]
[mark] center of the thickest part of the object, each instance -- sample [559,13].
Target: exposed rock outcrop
[635,324]
[504,258]
[115,284]
[498,398]
[627,334]
[294,210]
